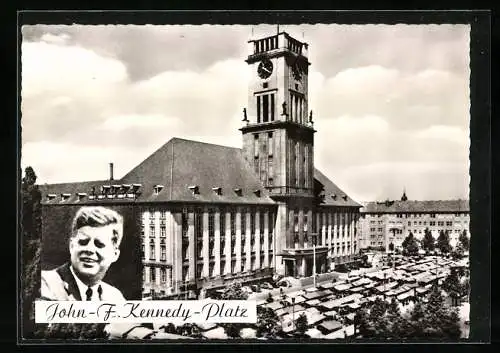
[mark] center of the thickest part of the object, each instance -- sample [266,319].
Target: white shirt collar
[82,287]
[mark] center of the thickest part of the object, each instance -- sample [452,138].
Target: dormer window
[65,197]
[238,191]
[105,189]
[334,196]
[217,190]
[116,188]
[157,189]
[194,189]
[344,197]
[136,187]
[81,195]
[51,197]
[257,193]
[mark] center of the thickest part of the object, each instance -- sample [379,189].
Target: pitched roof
[430,206]
[334,196]
[72,190]
[171,167]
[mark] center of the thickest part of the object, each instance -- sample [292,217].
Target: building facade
[386,222]
[212,214]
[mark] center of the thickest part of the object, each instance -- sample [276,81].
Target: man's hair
[97,216]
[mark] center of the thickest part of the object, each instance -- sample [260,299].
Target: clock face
[265,68]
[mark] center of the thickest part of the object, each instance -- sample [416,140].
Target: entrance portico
[300,262]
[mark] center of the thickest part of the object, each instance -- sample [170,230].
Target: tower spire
[404,197]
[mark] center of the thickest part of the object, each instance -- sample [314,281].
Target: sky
[390,102]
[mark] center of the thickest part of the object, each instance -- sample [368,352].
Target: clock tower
[278,139]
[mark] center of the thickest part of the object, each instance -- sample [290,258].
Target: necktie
[89,293]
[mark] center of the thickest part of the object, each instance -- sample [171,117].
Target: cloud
[393,97]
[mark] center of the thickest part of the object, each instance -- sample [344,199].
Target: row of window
[432,223]
[163,276]
[233,270]
[419,215]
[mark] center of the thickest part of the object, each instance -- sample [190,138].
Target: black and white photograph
[320,170]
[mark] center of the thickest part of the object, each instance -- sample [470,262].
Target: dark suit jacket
[60,284]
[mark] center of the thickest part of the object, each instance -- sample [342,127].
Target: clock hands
[266,69]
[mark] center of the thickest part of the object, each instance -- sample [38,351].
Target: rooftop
[222,176]
[412,206]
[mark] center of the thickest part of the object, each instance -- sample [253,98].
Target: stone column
[217,248]
[248,247]
[323,228]
[266,239]
[238,241]
[178,259]
[228,255]
[191,249]
[258,226]
[301,228]
[206,244]
[329,232]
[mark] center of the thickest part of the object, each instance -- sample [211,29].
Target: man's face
[92,252]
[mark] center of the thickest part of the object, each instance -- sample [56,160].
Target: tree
[301,325]
[234,292]
[31,224]
[394,319]
[464,240]
[458,252]
[410,245]
[377,319]
[443,242]
[428,242]
[361,323]
[453,287]
[267,323]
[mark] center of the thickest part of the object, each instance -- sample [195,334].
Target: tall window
[152,249]
[184,223]
[265,108]
[163,252]
[271,229]
[163,275]
[297,164]
[152,275]
[233,222]
[211,221]
[199,247]
[258,109]
[211,232]
[296,226]
[198,228]
[243,222]
[306,169]
[143,251]
[152,231]
[252,221]
[163,232]
[222,230]
[272,108]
